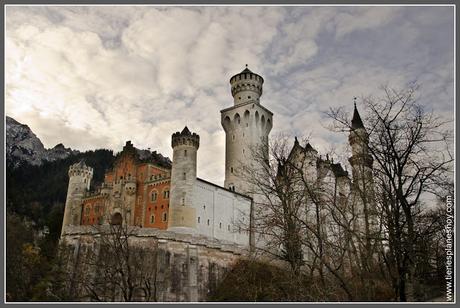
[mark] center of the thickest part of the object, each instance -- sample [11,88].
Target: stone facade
[188,266]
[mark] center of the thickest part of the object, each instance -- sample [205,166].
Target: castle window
[154,196]
[233,137]
[166,194]
[249,97]
[152,219]
[239,121]
[228,227]
[208,222]
[182,201]
[184,176]
[231,169]
[220,225]
[198,219]
[204,207]
[156,207]
[243,151]
[185,153]
[162,206]
[239,97]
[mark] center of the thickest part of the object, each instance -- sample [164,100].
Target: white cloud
[113,74]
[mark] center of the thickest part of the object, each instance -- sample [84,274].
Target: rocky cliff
[22,145]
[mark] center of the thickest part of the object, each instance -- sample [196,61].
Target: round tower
[362,174]
[361,161]
[182,215]
[246,86]
[247,125]
[80,176]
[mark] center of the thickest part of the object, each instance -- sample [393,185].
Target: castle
[141,192]
[163,198]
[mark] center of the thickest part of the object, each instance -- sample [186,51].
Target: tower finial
[246,66]
[354,100]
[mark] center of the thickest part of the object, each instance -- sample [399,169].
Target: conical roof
[356,121]
[186,131]
[247,71]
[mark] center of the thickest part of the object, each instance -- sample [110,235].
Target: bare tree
[304,214]
[114,268]
[412,157]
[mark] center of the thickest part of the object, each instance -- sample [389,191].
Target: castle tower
[362,178]
[247,125]
[80,176]
[361,161]
[182,215]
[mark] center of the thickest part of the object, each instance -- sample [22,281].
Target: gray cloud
[93,77]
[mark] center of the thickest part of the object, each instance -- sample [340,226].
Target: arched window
[165,216]
[152,218]
[185,153]
[198,219]
[237,118]
[154,196]
[166,194]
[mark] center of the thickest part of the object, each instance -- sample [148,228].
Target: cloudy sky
[94,77]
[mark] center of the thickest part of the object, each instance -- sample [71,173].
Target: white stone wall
[183,176]
[246,129]
[227,212]
[79,182]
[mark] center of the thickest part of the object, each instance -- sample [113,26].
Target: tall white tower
[247,125]
[182,214]
[80,176]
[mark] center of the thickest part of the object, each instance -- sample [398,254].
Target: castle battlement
[246,87]
[80,168]
[185,137]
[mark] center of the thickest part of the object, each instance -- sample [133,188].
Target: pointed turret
[356,121]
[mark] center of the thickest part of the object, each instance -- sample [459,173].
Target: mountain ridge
[22,145]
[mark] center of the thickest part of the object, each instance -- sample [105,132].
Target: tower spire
[356,121]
